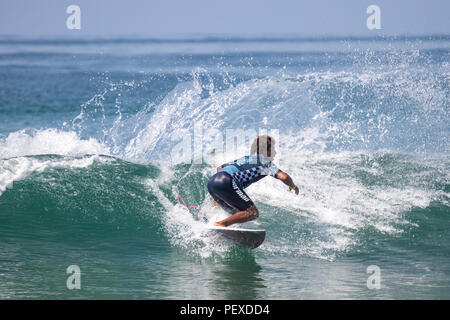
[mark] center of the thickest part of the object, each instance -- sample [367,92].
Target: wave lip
[48,141]
[21,153]
[15,169]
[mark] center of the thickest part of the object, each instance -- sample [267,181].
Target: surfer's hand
[215,203]
[295,189]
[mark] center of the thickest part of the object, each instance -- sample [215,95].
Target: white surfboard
[250,238]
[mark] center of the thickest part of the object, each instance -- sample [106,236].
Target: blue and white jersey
[249,169]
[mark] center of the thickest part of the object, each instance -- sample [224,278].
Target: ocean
[91,130]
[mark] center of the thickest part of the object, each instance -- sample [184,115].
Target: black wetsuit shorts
[224,189]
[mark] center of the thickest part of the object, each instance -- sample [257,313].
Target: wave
[322,111]
[367,144]
[348,202]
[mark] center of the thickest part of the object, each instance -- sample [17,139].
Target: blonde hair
[262,145]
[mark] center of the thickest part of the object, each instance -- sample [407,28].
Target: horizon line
[217,37]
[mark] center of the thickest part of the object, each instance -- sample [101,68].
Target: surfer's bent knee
[253,212]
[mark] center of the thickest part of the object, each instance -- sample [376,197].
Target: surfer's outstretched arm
[287,180]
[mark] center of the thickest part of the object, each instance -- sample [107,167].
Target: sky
[149,18]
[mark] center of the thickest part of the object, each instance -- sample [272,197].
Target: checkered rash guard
[250,169]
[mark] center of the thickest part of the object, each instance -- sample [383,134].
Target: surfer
[228,184]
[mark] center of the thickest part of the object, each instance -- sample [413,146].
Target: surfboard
[250,238]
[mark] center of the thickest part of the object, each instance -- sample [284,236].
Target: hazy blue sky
[238,17]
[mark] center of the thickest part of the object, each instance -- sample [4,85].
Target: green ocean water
[133,241]
[87,176]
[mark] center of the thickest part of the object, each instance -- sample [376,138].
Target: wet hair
[262,145]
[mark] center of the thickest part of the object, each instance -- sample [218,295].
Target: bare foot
[218,224]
